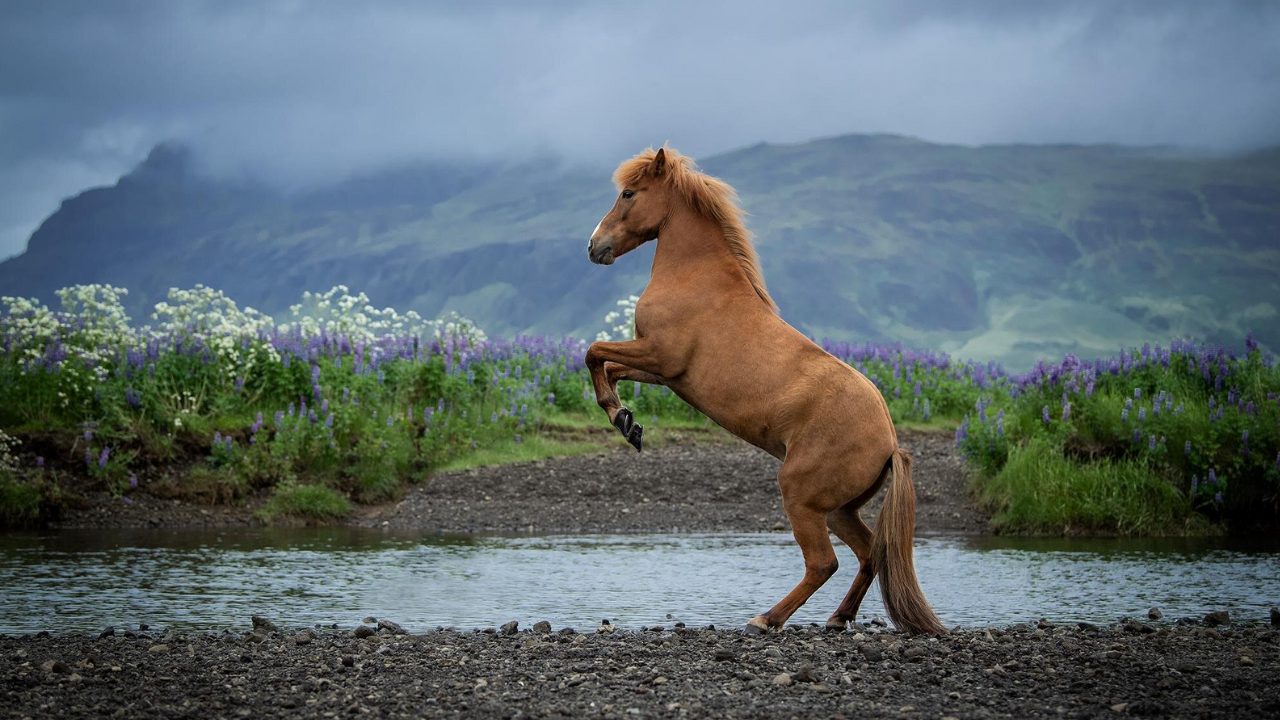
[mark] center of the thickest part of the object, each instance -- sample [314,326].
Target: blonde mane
[708,196]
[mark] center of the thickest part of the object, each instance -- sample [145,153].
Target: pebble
[364,631]
[871,652]
[392,627]
[304,638]
[54,666]
[1154,614]
[783,679]
[263,625]
[724,654]
[915,653]
[805,674]
[1246,661]
[371,620]
[542,627]
[159,648]
[111,631]
[510,628]
[1217,617]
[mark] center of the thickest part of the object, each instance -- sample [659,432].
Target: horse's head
[639,211]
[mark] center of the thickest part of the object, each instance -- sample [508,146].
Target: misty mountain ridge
[1007,252]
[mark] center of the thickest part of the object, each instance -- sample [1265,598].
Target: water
[84,581]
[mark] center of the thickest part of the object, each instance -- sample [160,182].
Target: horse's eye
[627,194]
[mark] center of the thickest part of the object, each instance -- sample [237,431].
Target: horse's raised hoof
[626,424]
[757,625]
[633,437]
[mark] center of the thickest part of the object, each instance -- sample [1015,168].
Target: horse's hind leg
[850,528]
[810,529]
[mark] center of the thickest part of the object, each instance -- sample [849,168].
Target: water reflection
[72,580]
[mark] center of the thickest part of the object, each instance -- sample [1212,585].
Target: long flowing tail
[891,547]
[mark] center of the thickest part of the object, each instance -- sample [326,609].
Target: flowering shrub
[1198,419]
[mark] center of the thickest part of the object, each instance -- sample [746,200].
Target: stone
[1275,616]
[1044,624]
[348,660]
[724,654]
[364,631]
[915,653]
[159,648]
[392,627]
[263,625]
[1154,614]
[510,628]
[371,620]
[1137,628]
[1087,626]
[805,674]
[256,637]
[542,627]
[54,666]
[871,652]
[1217,617]
[879,621]
[304,638]
[783,679]
[1246,661]
[109,632]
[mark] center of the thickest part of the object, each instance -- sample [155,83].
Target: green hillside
[1001,252]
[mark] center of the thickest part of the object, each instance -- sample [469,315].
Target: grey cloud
[299,93]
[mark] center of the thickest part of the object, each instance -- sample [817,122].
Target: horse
[706,327]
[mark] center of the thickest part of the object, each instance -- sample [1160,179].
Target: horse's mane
[711,197]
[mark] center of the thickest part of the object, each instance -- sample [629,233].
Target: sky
[300,94]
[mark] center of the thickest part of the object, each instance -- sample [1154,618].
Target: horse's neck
[690,243]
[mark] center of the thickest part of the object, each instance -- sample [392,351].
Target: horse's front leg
[609,362]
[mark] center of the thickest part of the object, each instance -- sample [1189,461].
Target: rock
[392,627]
[371,620]
[871,652]
[1044,624]
[54,666]
[1217,617]
[724,654]
[1245,661]
[304,638]
[605,628]
[109,632]
[263,625]
[1087,626]
[159,648]
[256,637]
[144,627]
[1154,614]
[915,653]
[879,621]
[364,631]
[348,660]
[1119,707]
[783,679]
[772,652]
[1275,616]
[1137,628]
[660,680]
[542,627]
[510,628]
[805,674]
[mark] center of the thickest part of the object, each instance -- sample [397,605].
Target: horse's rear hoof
[633,437]
[836,625]
[757,625]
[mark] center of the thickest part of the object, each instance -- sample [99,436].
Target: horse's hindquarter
[767,383]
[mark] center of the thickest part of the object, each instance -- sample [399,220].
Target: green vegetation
[348,404]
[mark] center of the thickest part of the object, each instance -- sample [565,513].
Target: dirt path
[691,486]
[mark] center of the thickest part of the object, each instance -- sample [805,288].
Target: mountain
[1011,252]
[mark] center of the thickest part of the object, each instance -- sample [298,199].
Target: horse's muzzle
[602,255]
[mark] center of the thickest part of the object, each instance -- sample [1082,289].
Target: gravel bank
[693,486]
[1127,669]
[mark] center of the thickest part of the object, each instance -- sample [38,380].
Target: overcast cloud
[299,93]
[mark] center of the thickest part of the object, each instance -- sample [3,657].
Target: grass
[528,449]
[307,502]
[1039,491]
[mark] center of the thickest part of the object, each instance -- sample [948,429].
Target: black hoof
[626,424]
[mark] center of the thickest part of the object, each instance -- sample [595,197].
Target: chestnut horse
[706,328]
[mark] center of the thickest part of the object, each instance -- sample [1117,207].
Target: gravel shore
[1026,671]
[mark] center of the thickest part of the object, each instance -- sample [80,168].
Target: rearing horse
[707,328]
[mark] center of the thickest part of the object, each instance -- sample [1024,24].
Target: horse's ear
[659,164]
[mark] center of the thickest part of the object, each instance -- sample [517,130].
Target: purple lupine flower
[1124,415]
[292,409]
[962,432]
[1044,414]
[1213,477]
[217,438]
[133,480]
[1000,424]
[88,436]
[103,457]
[1066,412]
[328,421]
[390,420]
[1142,414]
[551,398]
[311,416]
[1186,448]
[1217,498]
[1137,393]
[927,411]
[1137,436]
[279,419]
[1151,445]
[133,397]
[40,460]
[324,406]
[346,394]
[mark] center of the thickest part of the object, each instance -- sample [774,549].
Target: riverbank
[1134,668]
[700,482]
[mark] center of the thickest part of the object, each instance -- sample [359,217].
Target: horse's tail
[891,548]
